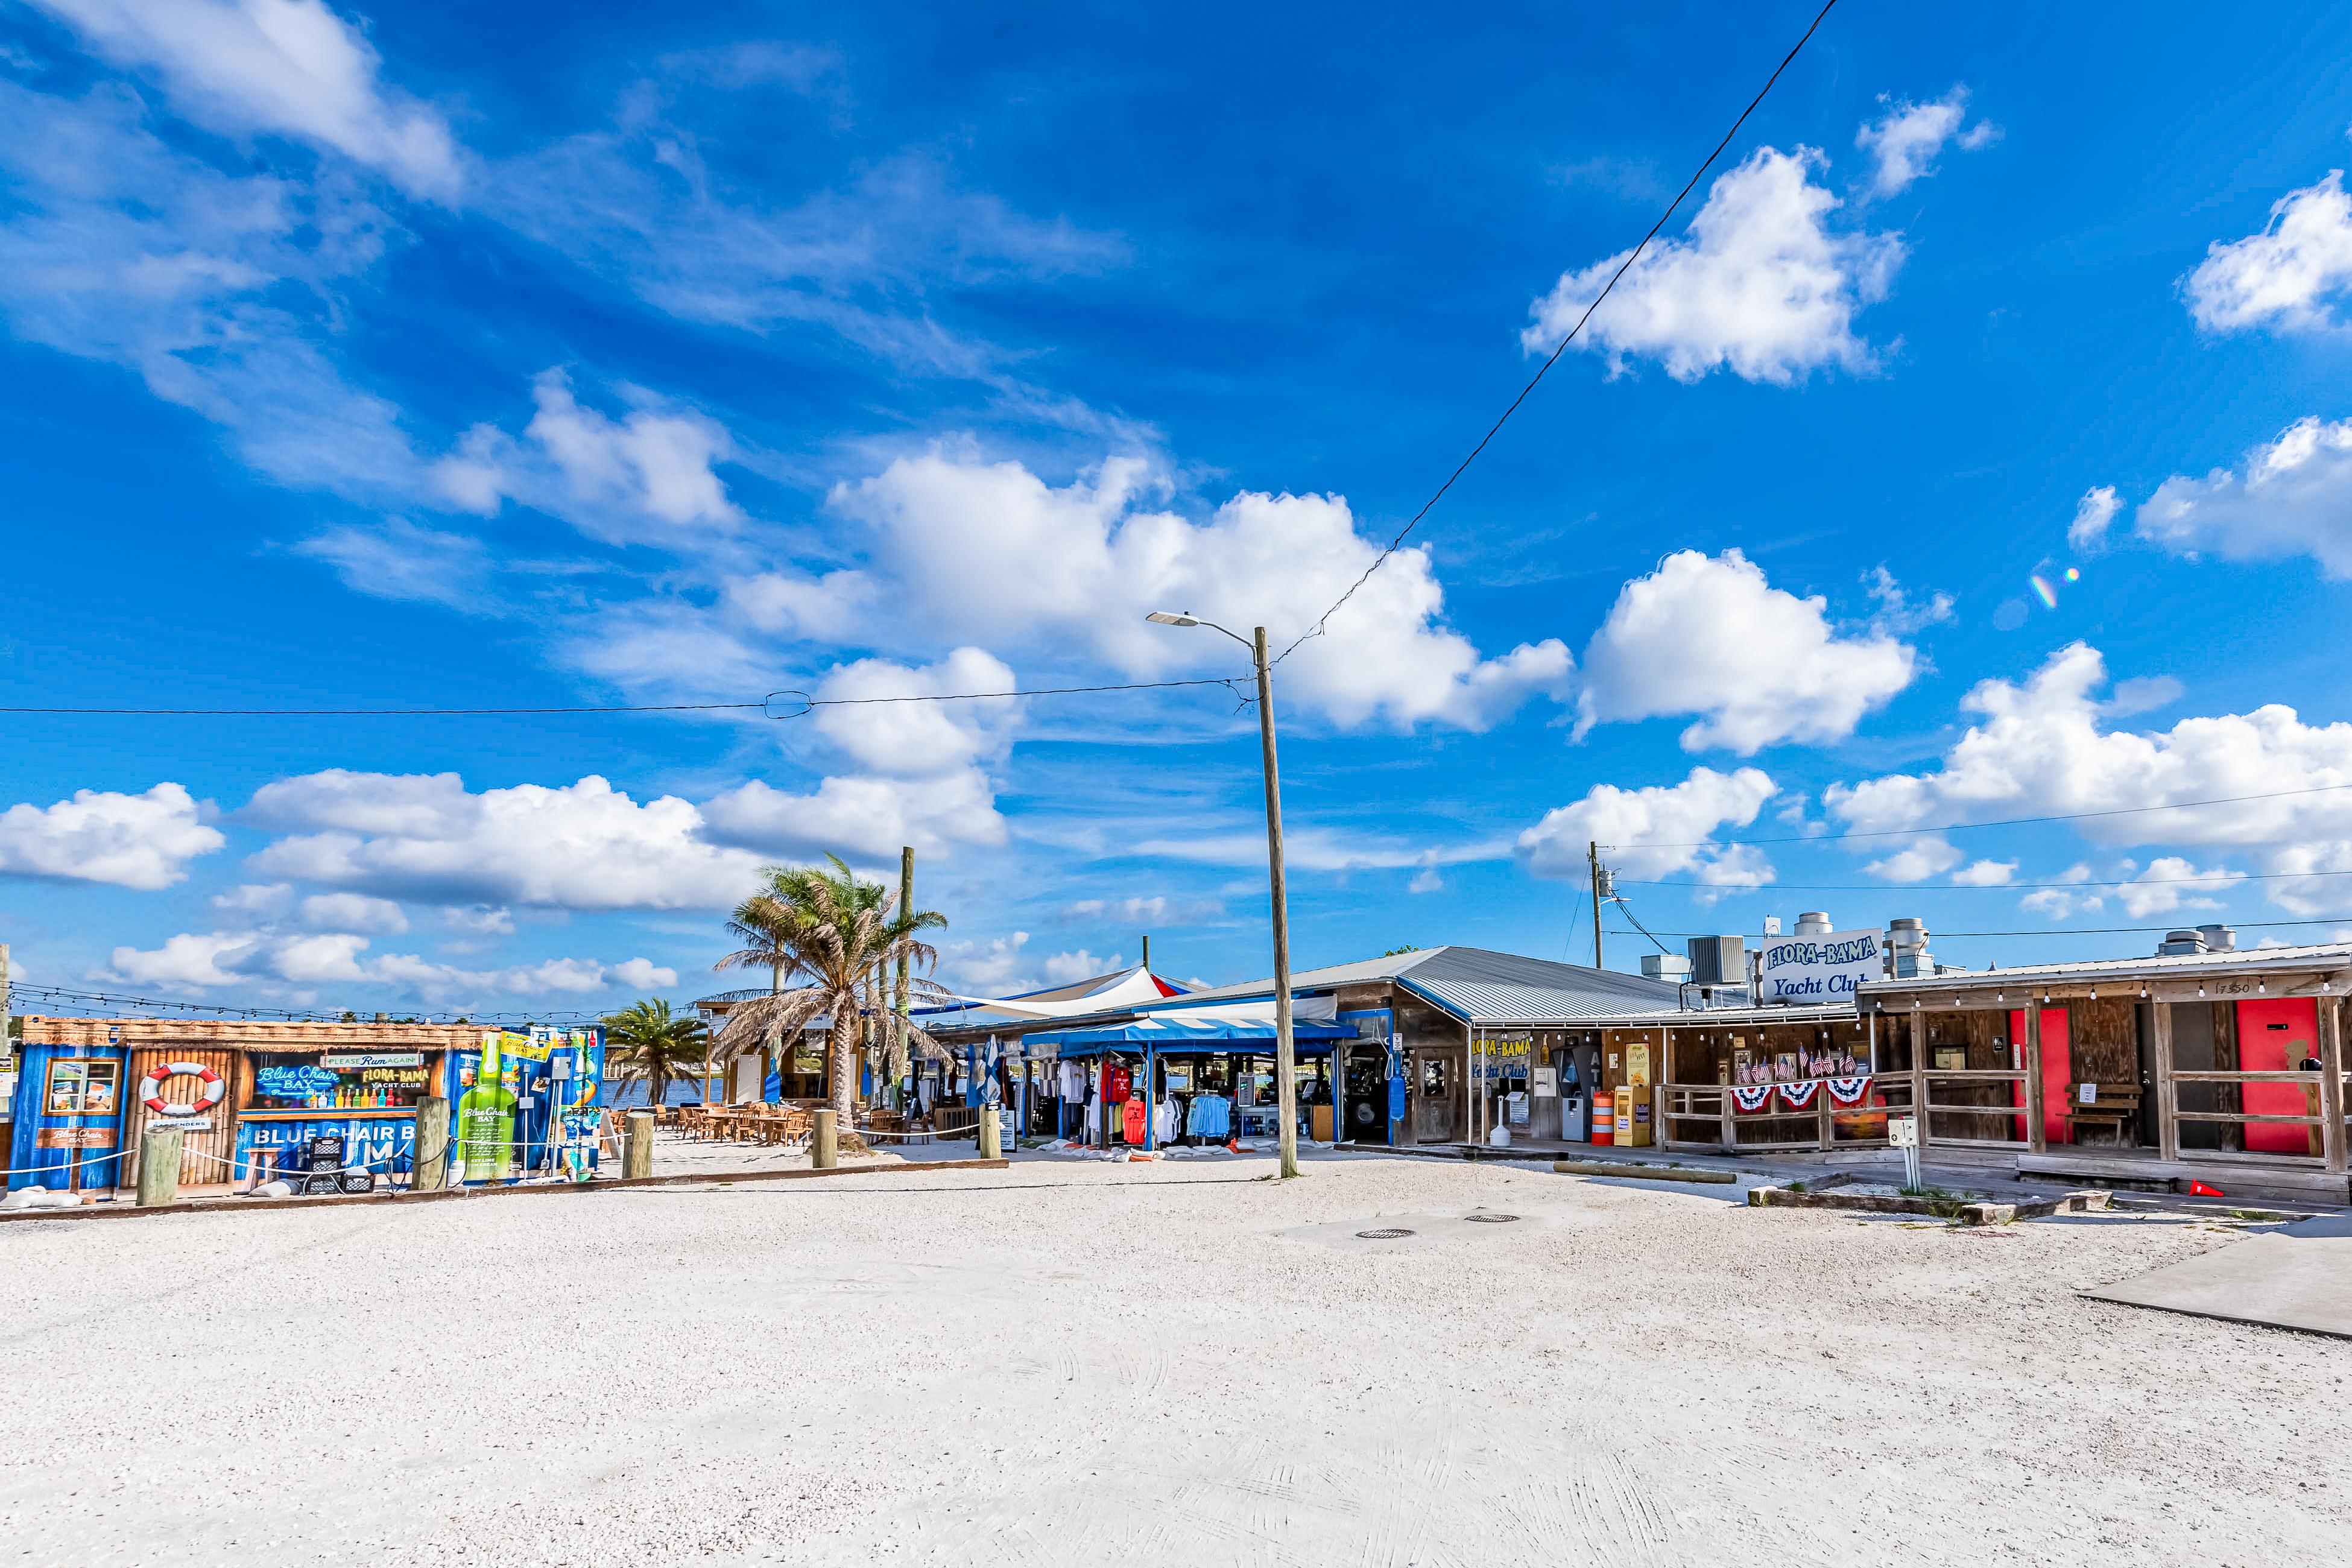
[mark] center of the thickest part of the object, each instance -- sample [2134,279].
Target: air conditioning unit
[1718,960]
[1670,967]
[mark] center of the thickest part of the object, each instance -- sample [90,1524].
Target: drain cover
[1490,1219]
[1391,1234]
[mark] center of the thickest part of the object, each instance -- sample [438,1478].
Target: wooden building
[2222,1067]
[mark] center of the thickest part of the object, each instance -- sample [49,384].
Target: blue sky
[431,356]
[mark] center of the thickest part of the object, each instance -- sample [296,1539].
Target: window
[338,1082]
[80,1087]
[1432,1078]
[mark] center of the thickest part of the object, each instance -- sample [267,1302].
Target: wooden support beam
[2037,1136]
[2331,1084]
[2167,1097]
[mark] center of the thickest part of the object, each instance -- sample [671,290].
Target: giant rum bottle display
[486,1119]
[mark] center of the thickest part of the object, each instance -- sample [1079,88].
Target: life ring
[216,1087]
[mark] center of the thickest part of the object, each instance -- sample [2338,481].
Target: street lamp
[1285,1076]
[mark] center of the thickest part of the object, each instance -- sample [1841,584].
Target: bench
[2113,1106]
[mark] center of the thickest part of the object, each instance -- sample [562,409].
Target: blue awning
[1200,1028]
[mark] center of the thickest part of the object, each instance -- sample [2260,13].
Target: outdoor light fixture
[1169,618]
[2095,993]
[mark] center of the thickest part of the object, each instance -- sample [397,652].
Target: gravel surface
[1079,1362]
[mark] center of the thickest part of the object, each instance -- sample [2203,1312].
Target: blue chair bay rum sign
[1818,969]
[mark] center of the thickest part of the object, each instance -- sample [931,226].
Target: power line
[64,995]
[800,702]
[2082,930]
[1632,255]
[2216,879]
[1970,826]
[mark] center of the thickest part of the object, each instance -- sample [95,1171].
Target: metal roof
[2317,955]
[1478,985]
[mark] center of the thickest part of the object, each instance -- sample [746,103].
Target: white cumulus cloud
[1762,287]
[143,841]
[650,474]
[2293,275]
[1655,831]
[2093,513]
[289,67]
[864,818]
[1907,142]
[2293,497]
[2045,747]
[1709,636]
[989,551]
[584,846]
[297,964]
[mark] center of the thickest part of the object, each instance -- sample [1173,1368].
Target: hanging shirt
[1118,1084]
[1074,1081]
[1163,1120]
[1133,1120]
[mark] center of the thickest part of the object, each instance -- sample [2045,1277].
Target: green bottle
[486,1119]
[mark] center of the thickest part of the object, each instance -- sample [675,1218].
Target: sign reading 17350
[1818,968]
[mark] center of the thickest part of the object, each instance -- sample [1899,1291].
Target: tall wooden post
[991,1142]
[159,1167]
[2037,1133]
[2167,1095]
[429,1168]
[2331,1083]
[825,1144]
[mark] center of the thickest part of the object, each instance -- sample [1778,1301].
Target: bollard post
[637,1147]
[991,1139]
[159,1167]
[428,1172]
[825,1144]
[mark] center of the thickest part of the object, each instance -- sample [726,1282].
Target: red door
[2057,1074]
[2277,1036]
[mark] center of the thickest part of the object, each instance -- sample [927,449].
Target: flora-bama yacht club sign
[1824,968]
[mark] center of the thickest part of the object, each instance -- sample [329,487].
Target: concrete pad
[2298,1277]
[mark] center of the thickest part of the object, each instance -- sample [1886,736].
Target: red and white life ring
[215,1086]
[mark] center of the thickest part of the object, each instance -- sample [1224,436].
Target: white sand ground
[1077,1363]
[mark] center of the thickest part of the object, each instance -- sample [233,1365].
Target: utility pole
[1285,1055]
[1593,854]
[897,1063]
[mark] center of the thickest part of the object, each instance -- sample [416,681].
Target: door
[1436,1099]
[209,1137]
[2279,1035]
[2057,1074]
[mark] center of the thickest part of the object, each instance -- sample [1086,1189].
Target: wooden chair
[2115,1106]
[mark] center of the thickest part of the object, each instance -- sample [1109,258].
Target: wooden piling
[825,1146]
[429,1171]
[159,1167]
[637,1147]
[992,1139]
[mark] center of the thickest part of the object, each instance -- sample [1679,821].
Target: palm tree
[644,1041]
[843,936]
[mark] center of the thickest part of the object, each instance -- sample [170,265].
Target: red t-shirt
[1132,1119]
[1117,1084]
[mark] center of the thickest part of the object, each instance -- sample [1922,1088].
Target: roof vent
[1812,923]
[2218,939]
[2180,945]
[1670,967]
[1906,948]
